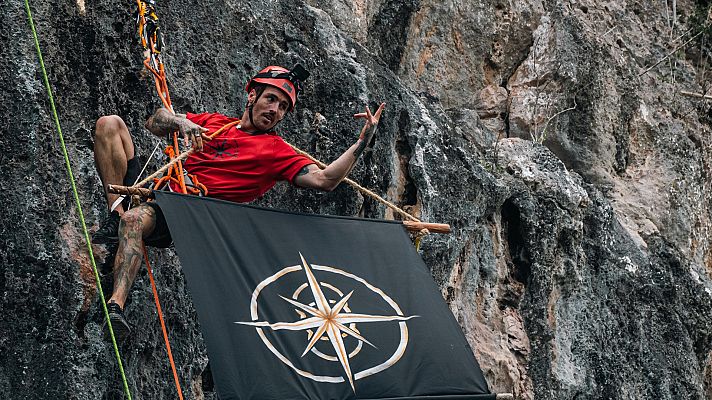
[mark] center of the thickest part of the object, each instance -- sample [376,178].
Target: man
[240,165]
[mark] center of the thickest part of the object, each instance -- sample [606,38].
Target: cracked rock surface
[576,183]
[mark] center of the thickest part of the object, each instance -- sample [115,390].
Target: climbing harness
[77,202]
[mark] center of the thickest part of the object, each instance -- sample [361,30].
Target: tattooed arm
[164,122]
[328,178]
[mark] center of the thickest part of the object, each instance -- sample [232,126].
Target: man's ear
[251,97]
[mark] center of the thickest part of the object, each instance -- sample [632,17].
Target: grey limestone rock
[579,265]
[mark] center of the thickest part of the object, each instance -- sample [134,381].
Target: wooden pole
[358,187]
[432,227]
[411,226]
[143,193]
[184,155]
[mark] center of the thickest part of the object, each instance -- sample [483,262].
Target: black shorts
[133,168]
[161,236]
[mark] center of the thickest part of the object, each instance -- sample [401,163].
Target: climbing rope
[163,323]
[152,42]
[75,193]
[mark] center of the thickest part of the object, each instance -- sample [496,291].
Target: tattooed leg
[136,224]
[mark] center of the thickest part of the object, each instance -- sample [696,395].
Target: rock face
[576,183]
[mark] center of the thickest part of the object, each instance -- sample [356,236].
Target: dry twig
[671,53]
[697,95]
[543,132]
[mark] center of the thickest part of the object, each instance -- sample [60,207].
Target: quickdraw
[152,41]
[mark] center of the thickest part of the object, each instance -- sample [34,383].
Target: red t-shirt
[238,166]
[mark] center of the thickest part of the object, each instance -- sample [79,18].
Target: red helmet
[281,78]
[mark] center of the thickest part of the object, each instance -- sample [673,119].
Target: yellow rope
[418,237]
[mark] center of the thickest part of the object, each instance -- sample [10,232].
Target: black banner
[296,306]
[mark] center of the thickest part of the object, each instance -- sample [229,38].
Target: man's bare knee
[139,221]
[109,126]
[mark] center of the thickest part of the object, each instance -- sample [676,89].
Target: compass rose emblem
[327,319]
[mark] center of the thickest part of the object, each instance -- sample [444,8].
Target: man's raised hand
[369,127]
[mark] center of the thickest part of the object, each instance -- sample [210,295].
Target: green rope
[76,199]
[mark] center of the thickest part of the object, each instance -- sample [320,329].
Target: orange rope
[163,323]
[162,90]
[178,167]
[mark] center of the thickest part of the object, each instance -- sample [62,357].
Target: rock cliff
[575,178]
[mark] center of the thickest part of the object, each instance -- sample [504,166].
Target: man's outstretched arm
[163,122]
[328,178]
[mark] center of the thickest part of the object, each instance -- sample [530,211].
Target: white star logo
[330,320]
